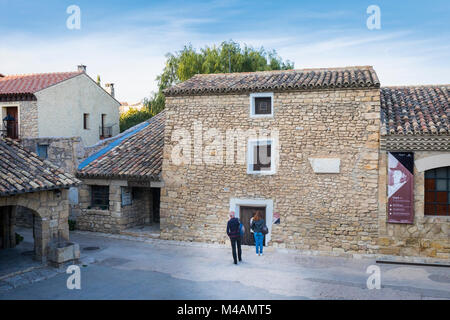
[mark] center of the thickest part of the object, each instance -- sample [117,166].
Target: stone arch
[40,228]
[433,162]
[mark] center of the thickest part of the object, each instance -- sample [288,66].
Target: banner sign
[401,187]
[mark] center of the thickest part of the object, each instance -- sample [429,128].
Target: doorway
[246,213]
[12,123]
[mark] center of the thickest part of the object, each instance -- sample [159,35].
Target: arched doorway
[20,246]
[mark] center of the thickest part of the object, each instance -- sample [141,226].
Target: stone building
[415,121]
[315,170]
[26,181]
[309,148]
[121,181]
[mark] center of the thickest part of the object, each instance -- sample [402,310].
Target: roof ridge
[37,74]
[366,67]
[416,86]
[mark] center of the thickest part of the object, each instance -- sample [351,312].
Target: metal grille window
[437,192]
[100,197]
[263,105]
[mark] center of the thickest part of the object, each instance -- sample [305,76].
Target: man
[235,236]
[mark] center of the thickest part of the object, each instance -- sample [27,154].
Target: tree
[227,57]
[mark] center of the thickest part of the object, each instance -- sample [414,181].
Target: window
[261,105]
[85,121]
[41,151]
[100,197]
[437,192]
[260,158]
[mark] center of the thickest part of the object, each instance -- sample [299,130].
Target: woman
[257,225]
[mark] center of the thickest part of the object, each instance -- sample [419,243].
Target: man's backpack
[241,229]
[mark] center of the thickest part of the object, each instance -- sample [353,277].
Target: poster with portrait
[400,187]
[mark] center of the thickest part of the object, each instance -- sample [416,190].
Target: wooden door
[245,214]
[12,126]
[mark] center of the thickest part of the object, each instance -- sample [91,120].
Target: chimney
[110,88]
[81,68]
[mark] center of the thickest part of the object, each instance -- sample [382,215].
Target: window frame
[435,191]
[95,206]
[40,145]
[85,121]
[253,113]
[252,143]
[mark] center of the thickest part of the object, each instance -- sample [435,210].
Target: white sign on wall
[126,196]
[325,165]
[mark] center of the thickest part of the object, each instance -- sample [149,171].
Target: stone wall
[28,117]
[117,217]
[139,212]
[51,211]
[327,212]
[62,152]
[428,236]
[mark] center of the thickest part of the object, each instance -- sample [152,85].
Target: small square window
[261,105]
[41,151]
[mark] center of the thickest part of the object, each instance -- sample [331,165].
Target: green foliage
[19,238]
[133,117]
[72,224]
[229,56]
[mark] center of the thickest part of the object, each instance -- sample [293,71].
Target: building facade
[325,136]
[122,181]
[322,181]
[415,122]
[62,105]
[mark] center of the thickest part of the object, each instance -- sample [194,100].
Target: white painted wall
[61,108]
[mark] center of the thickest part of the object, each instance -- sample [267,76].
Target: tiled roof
[300,79]
[138,156]
[31,83]
[415,110]
[23,171]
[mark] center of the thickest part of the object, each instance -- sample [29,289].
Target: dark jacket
[233,228]
[257,226]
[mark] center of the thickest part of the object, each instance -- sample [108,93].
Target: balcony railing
[11,130]
[105,132]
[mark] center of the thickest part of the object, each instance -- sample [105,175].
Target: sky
[125,42]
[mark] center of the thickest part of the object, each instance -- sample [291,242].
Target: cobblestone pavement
[123,267]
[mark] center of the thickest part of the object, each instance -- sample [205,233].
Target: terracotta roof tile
[31,83]
[415,109]
[300,79]
[23,171]
[138,156]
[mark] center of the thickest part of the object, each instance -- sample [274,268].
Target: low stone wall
[428,236]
